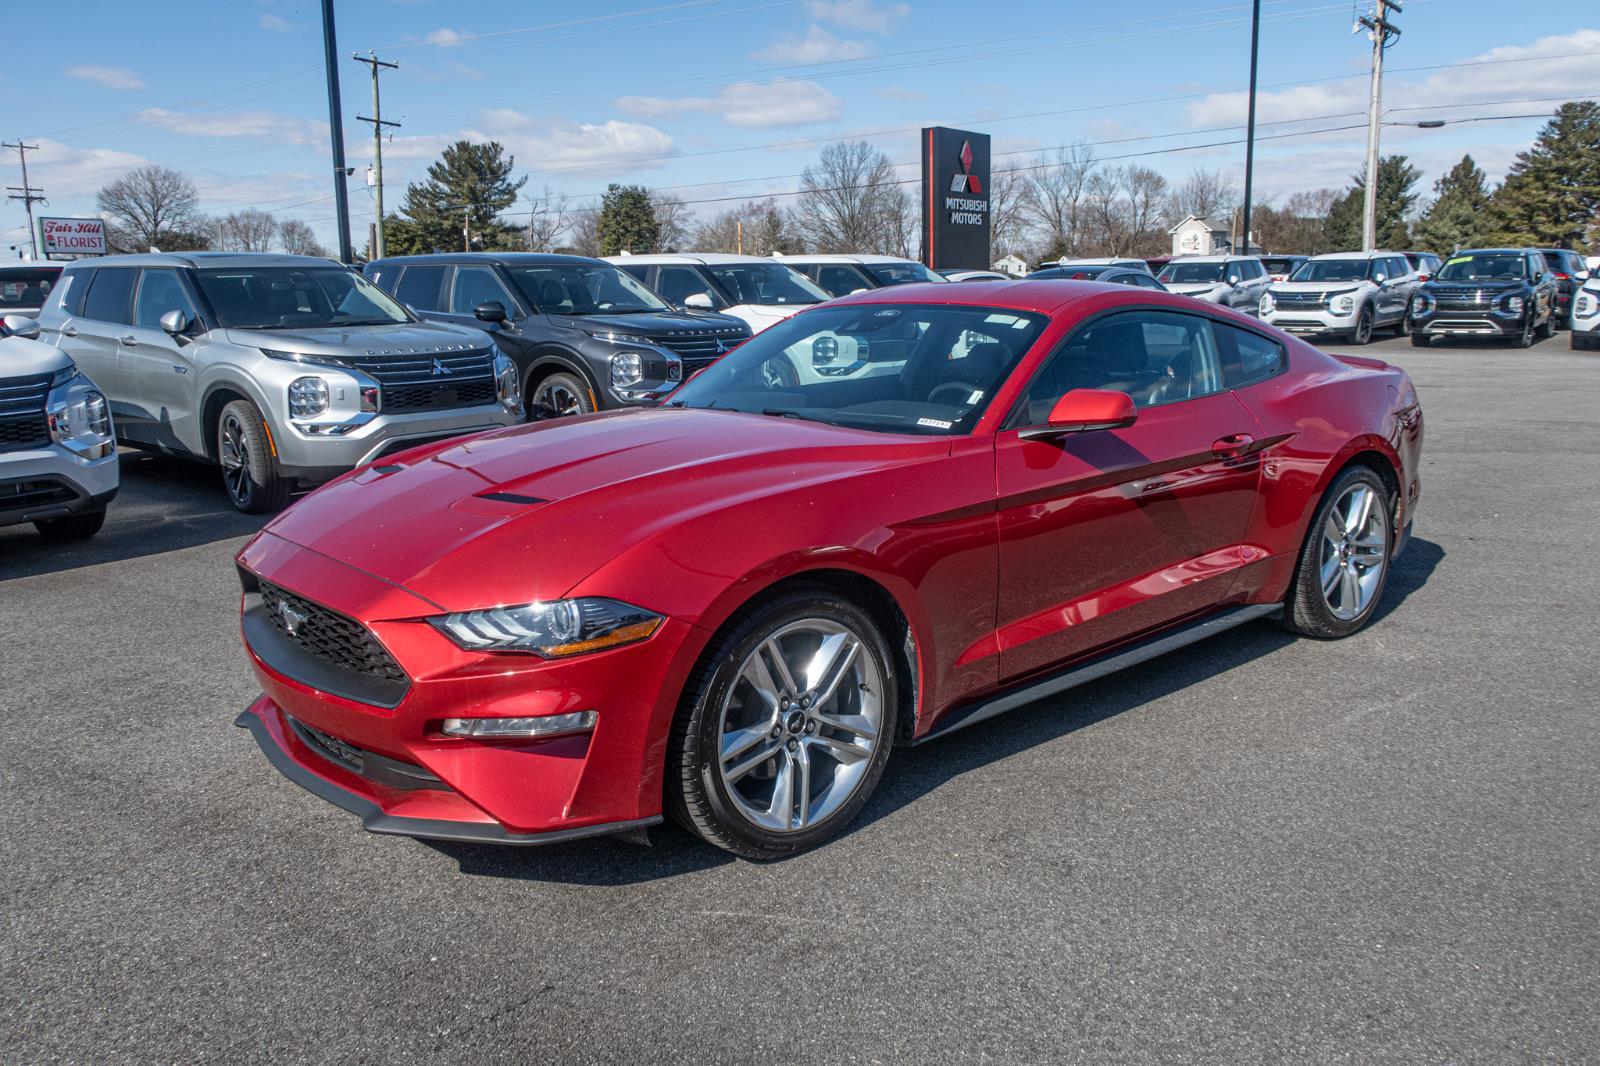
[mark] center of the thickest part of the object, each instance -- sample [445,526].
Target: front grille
[404,776]
[342,642]
[22,419]
[698,350]
[1292,324]
[430,382]
[1463,299]
[1301,301]
[20,495]
[438,396]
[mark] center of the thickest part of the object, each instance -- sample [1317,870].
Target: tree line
[157,207]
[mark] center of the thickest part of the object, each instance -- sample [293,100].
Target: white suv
[1586,316]
[1348,294]
[757,290]
[1236,281]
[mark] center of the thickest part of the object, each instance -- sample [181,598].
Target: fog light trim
[551,725]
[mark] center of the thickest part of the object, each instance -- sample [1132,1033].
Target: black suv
[585,336]
[1486,292]
[1571,271]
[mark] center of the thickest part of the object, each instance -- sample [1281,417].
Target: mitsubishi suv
[58,458]
[758,291]
[284,370]
[585,336]
[841,275]
[1586,316]
[1343,294]
[1235,281]
[1507,293]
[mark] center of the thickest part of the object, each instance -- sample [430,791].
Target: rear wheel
[560,394]
[250,470]
[72,527]
[785,727]
[1344,562]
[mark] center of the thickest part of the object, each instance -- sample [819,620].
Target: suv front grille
[1463,299]
[22,419]
[340,641]
[699,351]
[430,382]
[437,396]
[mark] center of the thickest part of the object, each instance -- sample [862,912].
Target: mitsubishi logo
[722,347]
[291,617]
[439,369]
[966,181]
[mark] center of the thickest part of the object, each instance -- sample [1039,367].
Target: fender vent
[388,468]
[512,497]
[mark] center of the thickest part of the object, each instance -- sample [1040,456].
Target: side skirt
[1097,668]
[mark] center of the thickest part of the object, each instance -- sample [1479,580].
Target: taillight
[1563,277]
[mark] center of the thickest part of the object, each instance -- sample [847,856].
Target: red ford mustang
[877,522]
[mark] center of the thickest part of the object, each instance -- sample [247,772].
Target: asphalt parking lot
[1256,849]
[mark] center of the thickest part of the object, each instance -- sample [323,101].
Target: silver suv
[285,370]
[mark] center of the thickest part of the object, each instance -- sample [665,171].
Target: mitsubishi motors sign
[71,237]
[955,199]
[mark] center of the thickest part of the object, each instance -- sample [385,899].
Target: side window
[474,285]
[1156,357]
[68,292]
[677,283]
[419,287]
[1246,357]
[160,291]
[837,279]
[637,271]
[1146,281]
[1402,266]
[111,296]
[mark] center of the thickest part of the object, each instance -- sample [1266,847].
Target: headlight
[1342,305]
[1513,304]
[1421,304]
[617,338]
[80,420]
[1267,303]
[507,382]
[627,369]
[308,397]
[824,351]
[1585,304]
[551,630]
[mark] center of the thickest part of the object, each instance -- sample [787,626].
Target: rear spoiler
[1361,361]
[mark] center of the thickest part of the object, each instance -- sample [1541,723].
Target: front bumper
[50,482]
[1467,324]
[319,458]
[1313,322]
[427,784]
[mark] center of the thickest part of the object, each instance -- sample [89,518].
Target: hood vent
[512,497]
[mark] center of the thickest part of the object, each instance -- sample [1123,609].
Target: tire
[1525,338]
[250,472]
[749,800]
[72,527]
[1363,330]
[1548,330]
[560,394]
[1584,342]
[1421,340]
[1359,569]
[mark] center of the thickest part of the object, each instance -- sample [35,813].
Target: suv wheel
[1363,330]
[1525,338]
[562,394]
[249,470]
[72,527]
[1548,330]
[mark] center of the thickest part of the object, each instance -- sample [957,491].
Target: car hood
[403,338]
[656,324]
[21,357]
[1436,288]
[768,313]
[558,499]
[1200,289]
[1329,288]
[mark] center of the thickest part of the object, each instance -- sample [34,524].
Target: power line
[28,194]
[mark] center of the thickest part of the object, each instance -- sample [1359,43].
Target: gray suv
[284,370]
[585,335]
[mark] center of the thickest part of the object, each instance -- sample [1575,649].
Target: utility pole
[341,201]
[26,193]
[466,228]
[1250,137]
[372,60]
[1381,29]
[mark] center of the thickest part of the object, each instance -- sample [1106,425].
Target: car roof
[1355,255]
[1493,251]
[1208,259]
[503,258]
[1040,295]
[833,258]
[206,259]
[704,258]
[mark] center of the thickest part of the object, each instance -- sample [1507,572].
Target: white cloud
[76,172]
[558,144]
[776,103]
[444,37]
[276,24]
[816,45]
[263,125]
[109,77]
[858,14]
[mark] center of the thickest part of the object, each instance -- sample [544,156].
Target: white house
[1199,236]
[1011,264]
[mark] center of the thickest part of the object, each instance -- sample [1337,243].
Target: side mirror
[1081,410]
[1380,278]
[492,311]
[698,301]
[20,326]
[1233,279]
[175,322]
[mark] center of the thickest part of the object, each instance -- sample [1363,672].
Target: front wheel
[561,394]
[1345,559]
[785,727]
[1548,330]
[1420,340]
[1363,331]
[250,470]
[72,527]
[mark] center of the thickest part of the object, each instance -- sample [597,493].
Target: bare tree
[1053,198]
[1204,194]
[1008,211]
[583,234]
[152,207]
[673,217]
[297,238]
[1300,226]
[250,230]
[1145,193]
[850,201]
[755,228]
[549,218]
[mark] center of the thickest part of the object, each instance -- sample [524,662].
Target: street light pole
[341,202]
[1250,137]
[1381,29]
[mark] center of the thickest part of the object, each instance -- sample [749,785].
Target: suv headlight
[1342,305]
[308,397]
[1421,304]
[79,417]
[1268,304]
[1585,305]
[553,630]
[1513,304]
[507,382]
[627,369]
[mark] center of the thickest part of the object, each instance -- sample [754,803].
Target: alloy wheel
[234,455]
[557,398]
[1355,551]
[799,725]
[1364,327]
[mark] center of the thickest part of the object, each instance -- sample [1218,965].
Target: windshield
[898,368]
[584,289]
[1279,264]
[1333,270]
[1076,273]
[1505,267]
[1191,273]
[26,288]
[899,273]
[296,298]
[765,283]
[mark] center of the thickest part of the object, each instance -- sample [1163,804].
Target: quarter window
[1156,357]
[160,291]
[474,285]
[111,295]
[1246,357]
[419,287]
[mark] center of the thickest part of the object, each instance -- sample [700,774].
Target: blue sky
[726,99]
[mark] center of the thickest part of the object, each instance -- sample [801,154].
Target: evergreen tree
[1458,217]
[1397,195]
[628,221]
[464,192]
[1552,194]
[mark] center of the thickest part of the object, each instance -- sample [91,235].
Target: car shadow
[165,504]
[913,773]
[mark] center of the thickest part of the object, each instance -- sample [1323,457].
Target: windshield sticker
[935,423]
[1006,320]
[1459,259]
[977,394]
[888,312]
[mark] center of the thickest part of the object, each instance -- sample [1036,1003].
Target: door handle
[69,331]
[1232,446]
[129,340]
